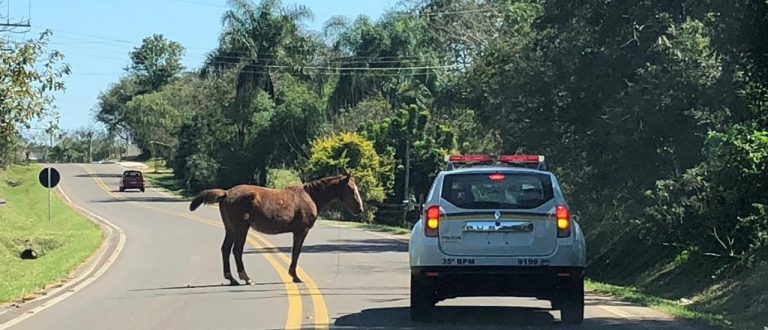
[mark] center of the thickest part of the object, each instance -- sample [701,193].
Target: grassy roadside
[164,178]
[671,307]
[166,181]
[62,243]
[369,226]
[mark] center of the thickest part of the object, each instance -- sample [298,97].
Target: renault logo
[497,215]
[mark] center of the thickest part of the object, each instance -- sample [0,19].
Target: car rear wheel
[422,301]
[572,305]
[122,189]
[142,189]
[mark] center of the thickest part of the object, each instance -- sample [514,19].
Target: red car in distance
[132,180]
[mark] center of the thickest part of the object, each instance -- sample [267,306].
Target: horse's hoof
[249,282]
[233,283]
[297,280]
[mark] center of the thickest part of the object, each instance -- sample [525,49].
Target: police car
[497,226]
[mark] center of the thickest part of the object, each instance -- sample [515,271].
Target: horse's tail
[209,196]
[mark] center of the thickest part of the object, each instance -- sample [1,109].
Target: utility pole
[406,198]
[90,147]
[154,153]
[7,25]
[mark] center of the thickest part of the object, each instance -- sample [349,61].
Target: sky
[97,35]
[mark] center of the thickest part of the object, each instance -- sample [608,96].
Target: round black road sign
[55,177]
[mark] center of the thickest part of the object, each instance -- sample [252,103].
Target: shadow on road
[483,317]
[202,286]
[359,246]
[100,175]
[140,199]
[448,316]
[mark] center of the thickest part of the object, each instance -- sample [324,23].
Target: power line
[329,62]
[209,53]
[87,35]
[327,73]
[458,12]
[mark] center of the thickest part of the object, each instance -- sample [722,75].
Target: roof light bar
[521,159]
[530,161]
[470,158]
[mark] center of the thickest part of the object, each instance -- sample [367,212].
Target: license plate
[498,226]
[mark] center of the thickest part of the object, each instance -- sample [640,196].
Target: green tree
[156,62]
[12,150]
[253,38]
[410,129]
[203,139]
[158,116]
[374,109]
[154,65]
[392,57]
[30,74]
[111,108]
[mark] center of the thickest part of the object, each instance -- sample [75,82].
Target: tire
[422,301]
[142,189]
[122,189]
[572,305]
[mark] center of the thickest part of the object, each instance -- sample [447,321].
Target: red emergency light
[466,159]
[530,161]
[521,159]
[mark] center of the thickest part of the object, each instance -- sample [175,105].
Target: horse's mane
[318,189]
[321,185]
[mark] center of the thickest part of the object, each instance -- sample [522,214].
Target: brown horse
[271,211]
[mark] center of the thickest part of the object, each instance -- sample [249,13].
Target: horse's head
[350,196]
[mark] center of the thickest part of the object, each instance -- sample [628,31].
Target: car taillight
[563,217]
[432,221]
[496,177]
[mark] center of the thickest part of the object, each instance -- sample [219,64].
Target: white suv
[497,227]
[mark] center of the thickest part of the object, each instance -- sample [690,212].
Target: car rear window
[497,191]
[132,174]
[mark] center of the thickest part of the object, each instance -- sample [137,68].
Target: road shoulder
[90,270]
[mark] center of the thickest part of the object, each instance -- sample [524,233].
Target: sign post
[49,178]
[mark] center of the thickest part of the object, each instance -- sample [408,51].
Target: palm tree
[390,56]
[253,43]
[257,40]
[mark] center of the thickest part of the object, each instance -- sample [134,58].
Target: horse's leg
[241,233]
[226,249]
[298,242]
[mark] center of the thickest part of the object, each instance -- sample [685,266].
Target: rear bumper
[543,282]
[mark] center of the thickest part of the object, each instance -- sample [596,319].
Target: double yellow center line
[295,314]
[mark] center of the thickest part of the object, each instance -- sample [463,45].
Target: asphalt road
[168,276]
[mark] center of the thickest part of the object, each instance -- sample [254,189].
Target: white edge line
[92,277]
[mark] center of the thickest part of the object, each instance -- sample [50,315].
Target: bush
[351,153]
[202,172]
[720,205]
[281,178]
